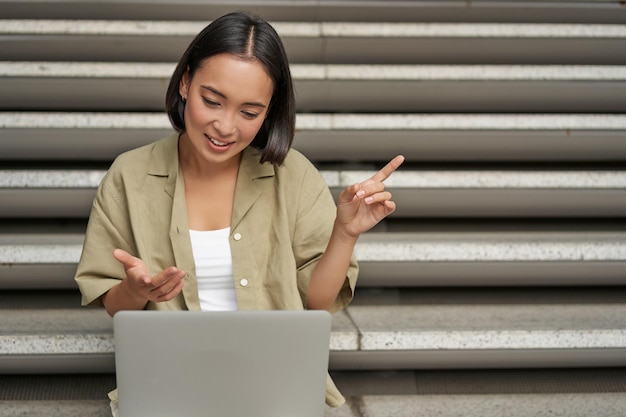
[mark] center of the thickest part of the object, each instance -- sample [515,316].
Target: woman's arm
[329,274]
[360,207]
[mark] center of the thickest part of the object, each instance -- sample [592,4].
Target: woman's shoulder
[131,167]
[139,159]
[299,170]
[295,162]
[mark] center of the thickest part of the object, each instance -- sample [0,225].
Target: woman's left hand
[361,206]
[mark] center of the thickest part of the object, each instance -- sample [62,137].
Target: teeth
[217,143]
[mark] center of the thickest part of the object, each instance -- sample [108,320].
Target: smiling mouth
[217,142]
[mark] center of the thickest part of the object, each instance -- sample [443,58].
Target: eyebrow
[219,93]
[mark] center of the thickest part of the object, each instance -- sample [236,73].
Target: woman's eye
[210,102]
[249,115]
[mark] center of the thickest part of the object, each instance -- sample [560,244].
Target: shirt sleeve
[316,215]
[108,228]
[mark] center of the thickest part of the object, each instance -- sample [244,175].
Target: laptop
[221,364]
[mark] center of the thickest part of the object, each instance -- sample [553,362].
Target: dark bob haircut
[247,37]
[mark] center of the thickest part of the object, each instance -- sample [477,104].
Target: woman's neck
[194,166]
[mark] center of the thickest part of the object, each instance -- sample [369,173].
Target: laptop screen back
[242,363]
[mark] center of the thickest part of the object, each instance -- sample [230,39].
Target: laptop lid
[235,363]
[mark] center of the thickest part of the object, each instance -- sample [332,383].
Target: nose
[225,124]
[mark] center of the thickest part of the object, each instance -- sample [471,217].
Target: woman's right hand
[140,286]
[163,286]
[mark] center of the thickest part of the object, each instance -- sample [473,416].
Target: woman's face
[227,101]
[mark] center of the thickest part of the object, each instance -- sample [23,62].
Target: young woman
[222,215]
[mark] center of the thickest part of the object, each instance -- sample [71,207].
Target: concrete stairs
[498,287]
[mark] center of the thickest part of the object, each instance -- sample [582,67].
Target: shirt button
[237,236]
[243,282]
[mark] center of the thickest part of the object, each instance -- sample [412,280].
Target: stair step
[484,327]
[424,296]
[103,86]
[324,42]
[579,11]
[429,193]
[363,337]
[484,336]
[526,405]
[521,405]
[352,137]
[388,259]
[61,408]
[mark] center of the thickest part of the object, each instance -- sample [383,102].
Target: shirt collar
[164,161]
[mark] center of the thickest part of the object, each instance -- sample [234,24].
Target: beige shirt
[282,220]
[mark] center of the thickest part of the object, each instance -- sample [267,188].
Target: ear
[183,87]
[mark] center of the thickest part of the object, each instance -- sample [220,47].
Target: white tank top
[214,269]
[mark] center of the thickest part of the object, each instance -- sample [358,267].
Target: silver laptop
[221,364]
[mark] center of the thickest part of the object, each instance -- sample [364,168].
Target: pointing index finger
[388,169]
